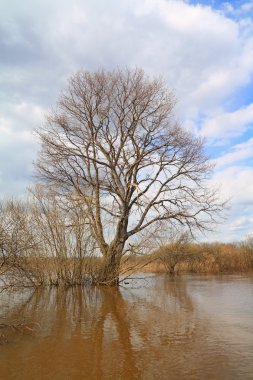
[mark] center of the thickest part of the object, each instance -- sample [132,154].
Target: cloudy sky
[203,49]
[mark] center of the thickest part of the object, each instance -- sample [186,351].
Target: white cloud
[206,55]
[18,147]
[228,124]
[236,227]
[238,8]
[21,116]
[246,7]
[202,53]
[237,153]
[236,184]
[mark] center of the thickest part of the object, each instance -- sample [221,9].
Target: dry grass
[197,258]
[173,258]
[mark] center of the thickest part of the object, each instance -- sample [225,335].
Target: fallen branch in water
[16,328]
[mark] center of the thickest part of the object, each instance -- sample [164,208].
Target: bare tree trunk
[109,274]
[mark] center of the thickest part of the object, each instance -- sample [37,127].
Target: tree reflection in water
[109,333]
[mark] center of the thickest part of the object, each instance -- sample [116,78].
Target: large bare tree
[112,142]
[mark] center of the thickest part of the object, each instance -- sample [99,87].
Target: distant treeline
[213,258]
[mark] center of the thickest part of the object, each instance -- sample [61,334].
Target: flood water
[160,327]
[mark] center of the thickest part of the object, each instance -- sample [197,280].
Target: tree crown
[113,143]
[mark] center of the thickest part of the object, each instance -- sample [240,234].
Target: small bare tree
[65,244]
[18,244]
[112,142]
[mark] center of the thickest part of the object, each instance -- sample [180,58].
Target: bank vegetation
[191,257]
[43,243]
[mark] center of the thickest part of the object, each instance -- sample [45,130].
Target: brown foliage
[204,258]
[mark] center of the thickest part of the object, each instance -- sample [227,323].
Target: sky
[202,49]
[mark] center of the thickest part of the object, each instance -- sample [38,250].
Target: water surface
[160,327]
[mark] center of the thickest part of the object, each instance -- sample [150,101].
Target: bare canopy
[113,143]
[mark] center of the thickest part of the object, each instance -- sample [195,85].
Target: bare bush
[45,242]
[17,244]
[66,246]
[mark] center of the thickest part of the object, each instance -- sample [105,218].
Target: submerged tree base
[173,258]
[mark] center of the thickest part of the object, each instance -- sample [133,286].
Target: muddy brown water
[158,327]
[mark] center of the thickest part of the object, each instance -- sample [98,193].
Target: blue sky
[203,49]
